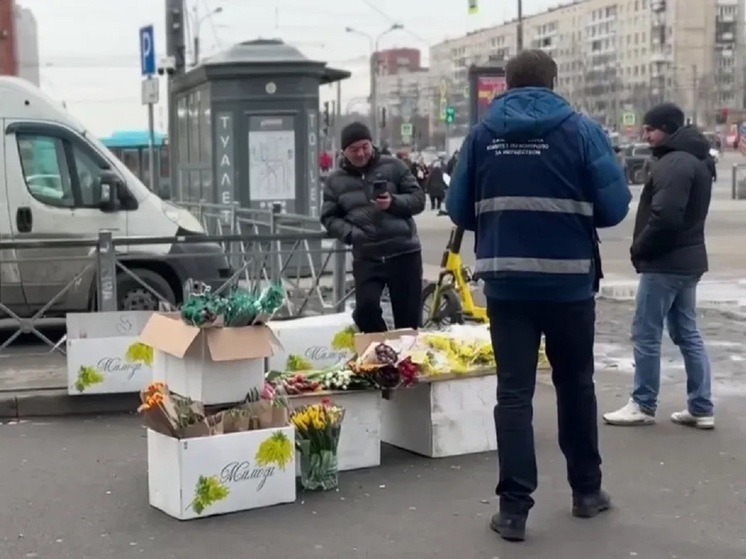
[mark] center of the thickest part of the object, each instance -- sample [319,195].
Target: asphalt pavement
[77,489]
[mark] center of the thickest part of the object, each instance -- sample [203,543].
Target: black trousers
[435,202]
[569,330]
[403,276]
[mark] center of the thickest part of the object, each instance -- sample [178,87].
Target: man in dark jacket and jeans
[534,180]
[370,203]
[668,251]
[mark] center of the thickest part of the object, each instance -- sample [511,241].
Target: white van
[57,181]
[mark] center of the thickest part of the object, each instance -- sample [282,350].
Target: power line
[102,63]
[393,20]
[214,29]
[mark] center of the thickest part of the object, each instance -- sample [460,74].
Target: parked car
[636,155]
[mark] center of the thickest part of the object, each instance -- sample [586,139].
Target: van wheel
[133,296]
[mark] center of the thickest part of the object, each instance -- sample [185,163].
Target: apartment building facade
[398,60]
[615,57]
[402,89]
[8,50]
[19,42]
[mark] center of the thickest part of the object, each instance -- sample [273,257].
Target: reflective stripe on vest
[534,265]
[534,204]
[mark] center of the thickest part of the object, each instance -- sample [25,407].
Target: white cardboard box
[360,440]
[176,466]
[443,417]
[211,365]
[311,338]
[197,377]
[100,341]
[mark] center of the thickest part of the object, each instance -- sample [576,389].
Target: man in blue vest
[534,181]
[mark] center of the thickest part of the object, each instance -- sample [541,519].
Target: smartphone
[380,188]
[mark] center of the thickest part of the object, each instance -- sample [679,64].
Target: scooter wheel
[448,308]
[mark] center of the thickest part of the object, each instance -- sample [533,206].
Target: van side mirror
[107,191]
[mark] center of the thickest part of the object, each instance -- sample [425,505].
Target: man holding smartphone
[370,203]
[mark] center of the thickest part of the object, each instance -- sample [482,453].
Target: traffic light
[326,113]
[450,115]
[175,35]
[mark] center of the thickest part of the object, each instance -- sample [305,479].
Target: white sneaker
[689,420]
[630,414]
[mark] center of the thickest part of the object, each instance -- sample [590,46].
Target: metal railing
[42,280]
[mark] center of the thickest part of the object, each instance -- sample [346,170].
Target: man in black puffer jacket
[370,203]
[668,251]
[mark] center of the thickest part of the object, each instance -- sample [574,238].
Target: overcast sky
[89,49]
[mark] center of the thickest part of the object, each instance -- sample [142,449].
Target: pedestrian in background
[534,180]
[435,186]
[668,251]
[325,161]
[370,203]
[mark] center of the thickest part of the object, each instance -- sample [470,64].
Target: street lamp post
[519,28]
[373,44]
[197,21]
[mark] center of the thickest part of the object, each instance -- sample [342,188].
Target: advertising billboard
[488,87]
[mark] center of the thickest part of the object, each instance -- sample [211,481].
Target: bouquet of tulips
[317,428]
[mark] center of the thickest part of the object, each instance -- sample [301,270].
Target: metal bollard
[235,249]
[106,268]
[275,251]
[734,182]
[339,276]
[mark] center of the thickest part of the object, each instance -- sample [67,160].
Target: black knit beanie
[354,132]
[667,117]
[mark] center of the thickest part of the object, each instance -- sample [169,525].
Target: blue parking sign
[147,51]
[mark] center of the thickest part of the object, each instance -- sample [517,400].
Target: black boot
[588,506]
[511,527]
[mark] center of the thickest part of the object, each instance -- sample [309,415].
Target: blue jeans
[672,299]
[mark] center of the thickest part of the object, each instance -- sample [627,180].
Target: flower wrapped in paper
[179,417]
[389,364]
[174,415]
[238,308]
[459,349]
[263,409]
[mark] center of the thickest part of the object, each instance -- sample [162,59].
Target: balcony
[726,37]
[657,6]
[546,34]
[659,57]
